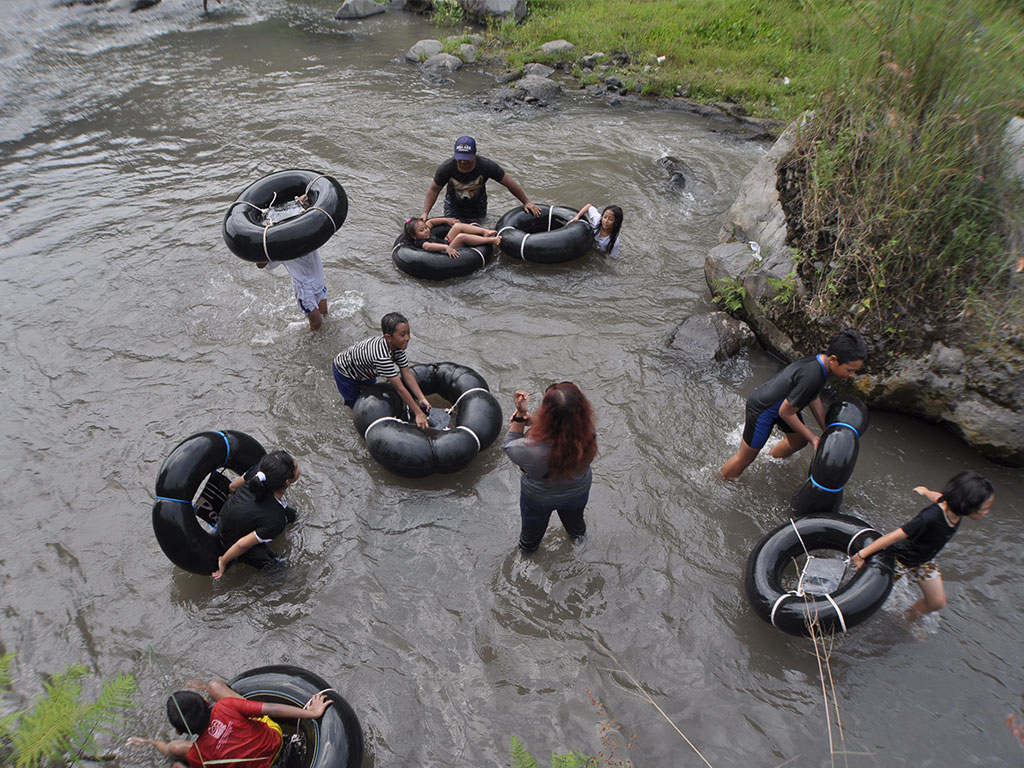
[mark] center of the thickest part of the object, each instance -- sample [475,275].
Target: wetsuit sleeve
[807,385]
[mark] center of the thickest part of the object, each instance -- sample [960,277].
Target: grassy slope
[722,50]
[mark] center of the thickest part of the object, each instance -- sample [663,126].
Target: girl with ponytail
[256,512]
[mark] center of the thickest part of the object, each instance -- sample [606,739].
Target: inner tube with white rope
[335,740]
[792,610]
[381,418]
[190,487]
[437,265]
[267,223]
[834,459]
[546,239]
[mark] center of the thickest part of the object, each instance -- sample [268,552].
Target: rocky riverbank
[968,381]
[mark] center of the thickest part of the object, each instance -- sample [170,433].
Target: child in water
[382,356]
[308,281]
[417,232]
[916,543]
[606,226]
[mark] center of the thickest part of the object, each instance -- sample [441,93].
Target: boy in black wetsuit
[916,543]
[780,399]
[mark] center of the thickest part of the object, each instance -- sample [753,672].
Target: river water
[126,326]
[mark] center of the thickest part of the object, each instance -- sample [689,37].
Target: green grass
[719,50]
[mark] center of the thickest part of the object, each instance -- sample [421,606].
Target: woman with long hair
[256,512]
[554,457]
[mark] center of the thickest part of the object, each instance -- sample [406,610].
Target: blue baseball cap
[465,148]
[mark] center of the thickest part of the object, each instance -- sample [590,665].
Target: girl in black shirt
[968,494]
[256,512]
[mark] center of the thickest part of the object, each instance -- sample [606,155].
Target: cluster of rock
[975,389]
[480,11]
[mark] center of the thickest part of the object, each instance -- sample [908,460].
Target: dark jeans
[535,517]
[468,215]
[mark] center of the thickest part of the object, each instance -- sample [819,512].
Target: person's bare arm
[428,202]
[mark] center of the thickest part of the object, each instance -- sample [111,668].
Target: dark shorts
[349,388]
[469,215]
[759,426]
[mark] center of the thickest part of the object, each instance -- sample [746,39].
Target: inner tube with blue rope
[437,265]
[267,223]
[550,238]
[381,418]
[792,610]
[335,740]
[834,460]
[197,463]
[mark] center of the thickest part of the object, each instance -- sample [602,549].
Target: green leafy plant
[572,759]
[59,729]
[446,13]
[730,294]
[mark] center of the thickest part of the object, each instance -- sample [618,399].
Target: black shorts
[759,426]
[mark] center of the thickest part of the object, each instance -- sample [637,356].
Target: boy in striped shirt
[383,356]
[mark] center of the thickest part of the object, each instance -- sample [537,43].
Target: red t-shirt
[232,735]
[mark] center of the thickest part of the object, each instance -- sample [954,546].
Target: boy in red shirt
[234,728]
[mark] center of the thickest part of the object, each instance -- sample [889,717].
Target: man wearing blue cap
[465,175]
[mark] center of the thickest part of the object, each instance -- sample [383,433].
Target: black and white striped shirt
[370,358]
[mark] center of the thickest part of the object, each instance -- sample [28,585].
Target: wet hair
[848,346]
[966,492]
[409,230]
[614,234]
[565,419]
[188,712]
[272,473]
[390,322]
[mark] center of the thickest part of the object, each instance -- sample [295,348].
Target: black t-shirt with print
[927,534]
[468,191]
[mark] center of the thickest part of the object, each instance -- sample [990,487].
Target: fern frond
[573,759]
[520,757]
[5,670]
[59,725]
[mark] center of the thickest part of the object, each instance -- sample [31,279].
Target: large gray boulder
[536,88]
[358,9]
[423,50]
[482,11]
[557,46]
[442,62]
[977,392]
[704,339]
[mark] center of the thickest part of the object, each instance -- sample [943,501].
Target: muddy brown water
[126,326]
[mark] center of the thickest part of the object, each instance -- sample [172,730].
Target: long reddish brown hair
[566,421]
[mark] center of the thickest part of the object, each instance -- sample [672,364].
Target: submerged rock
[703,339]
[680,175]
[442,62]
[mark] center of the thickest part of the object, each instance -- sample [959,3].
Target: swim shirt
[799,383]
[370,358]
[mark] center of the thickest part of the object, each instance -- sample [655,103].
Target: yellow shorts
[265,719]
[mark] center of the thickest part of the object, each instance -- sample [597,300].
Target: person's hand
[814,442]
[421,419]
[422,403]
[303,200]
[520,400]
[857,560]
[137,741]
[425,216]
[921,490]
[531,208]
[318,704]
[220,568]
[452,251]
[195,684]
